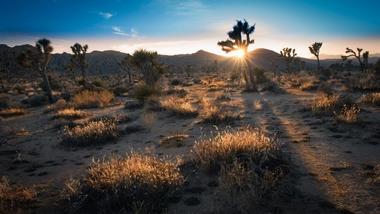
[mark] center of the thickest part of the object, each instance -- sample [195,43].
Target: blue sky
[175,26]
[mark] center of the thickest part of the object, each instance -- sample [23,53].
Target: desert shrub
[134,184]
[93,99]
[365,82]
[178,106]
[329,103]
[371,98]
[142,92]
[98,83]
[58,105]
[348,114]
[91,133]
[211,113]
[246,145]
[10,112]
[13,198]
[70,113]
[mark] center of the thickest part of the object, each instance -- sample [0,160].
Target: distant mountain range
[103,62]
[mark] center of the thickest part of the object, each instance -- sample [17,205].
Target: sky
[185,26]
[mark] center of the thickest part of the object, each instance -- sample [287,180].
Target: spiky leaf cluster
[236,41]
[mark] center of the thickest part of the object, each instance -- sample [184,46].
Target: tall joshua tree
[289,55]
[126,65]
[362,58]
[236,42]
[146,62]
[39,60]
[314,49]
[78,59]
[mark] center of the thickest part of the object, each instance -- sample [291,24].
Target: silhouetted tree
[314,49]
[78,59]
[362,58]
[39,61]
[237,42]
[146,62]
[289,55]
[5,64]
[126,65]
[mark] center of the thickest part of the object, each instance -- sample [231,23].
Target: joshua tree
[126,65]
[314,49]
[39,60]
[146,62]
[236,42]
[78,59]
[5,64]
[289,55]
[362,58]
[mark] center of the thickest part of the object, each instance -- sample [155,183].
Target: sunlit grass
[178,106]
[348,114]
[91,133]
[371,98]
[93,99]
[10,112]
[13,198]
[248,143]
[70,113]
[134,184]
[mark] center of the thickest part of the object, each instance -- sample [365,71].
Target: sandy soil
[330,160]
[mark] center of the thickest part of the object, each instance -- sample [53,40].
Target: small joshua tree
[289,55]
[78,59]
[146,62]
[236,42]
[38,61]
[314,49]
[362,58]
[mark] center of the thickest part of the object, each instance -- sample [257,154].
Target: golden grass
[348,114]
[178,106]
[70,113]
[211,113]
[134,184]
[225,147]
[326,103]
[14,198]
[10,112]
[93,99]
[371,98]
[90,133]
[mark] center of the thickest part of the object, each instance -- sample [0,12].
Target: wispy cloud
[106,15]
[118,31]
[183,7]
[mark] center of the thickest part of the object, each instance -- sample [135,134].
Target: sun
[238,53]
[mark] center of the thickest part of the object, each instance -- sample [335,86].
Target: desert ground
[329,162]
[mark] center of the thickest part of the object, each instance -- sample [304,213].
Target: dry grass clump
[10,112]
[211,113]
[178,106]
[70,113]
[15,198]
[134,184]
[372,99]
[348,114]
[327,103]
[91,133]
[142,92]
[93,99]
[247,144]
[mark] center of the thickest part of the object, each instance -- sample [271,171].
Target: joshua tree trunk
[83,75]
[319,65]
[47,85]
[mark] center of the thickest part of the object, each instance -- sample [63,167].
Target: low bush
[348,114]
[93,99]
[178,106]
[10,112]
[211,113]
[371,98]
[134,184]
[142,92]
[91,133]
[70,113]
[15,199]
